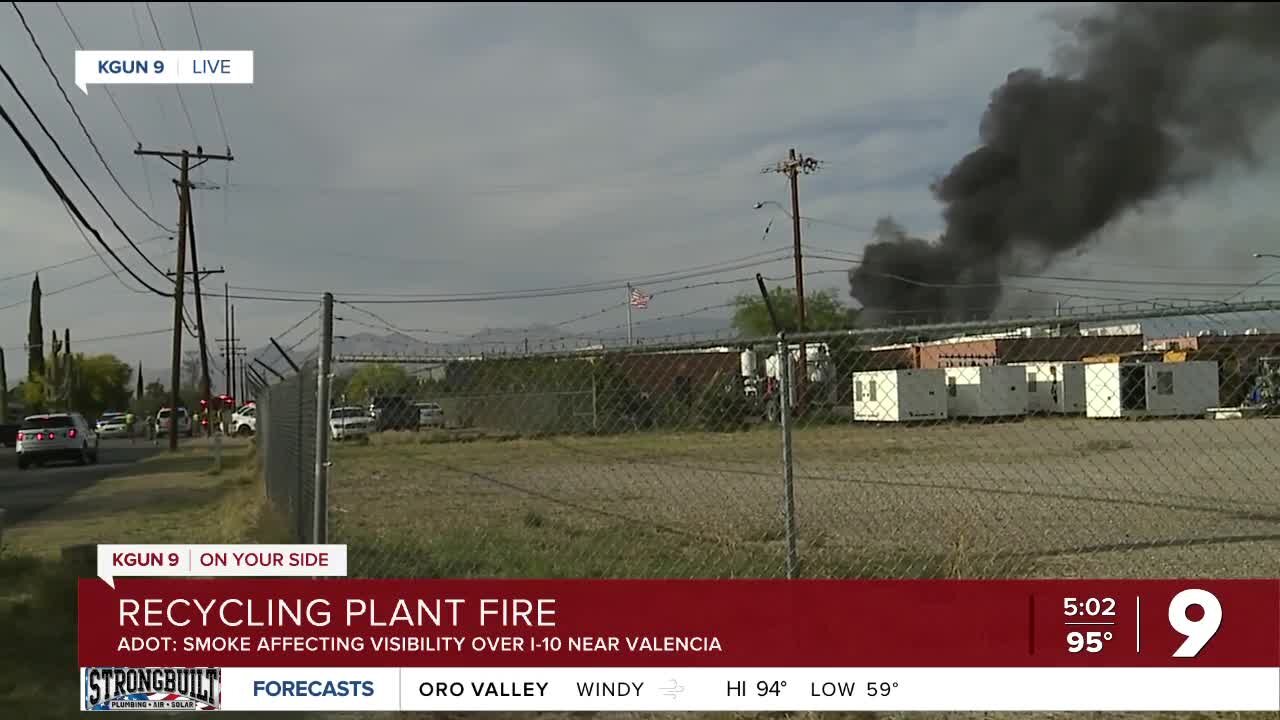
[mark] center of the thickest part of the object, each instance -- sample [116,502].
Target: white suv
[244,422]
[184,423]
[57,436]
[348,423]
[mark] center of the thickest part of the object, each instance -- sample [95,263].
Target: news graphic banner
[163,67]
[657,645]
[220,561]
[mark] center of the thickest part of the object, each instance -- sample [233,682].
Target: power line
[89,242]
[181,101]
[122,336]
[214,93]
[80,177]
[79,120]
[53,182]
[107,88]
[74,286]
[304,338]
[298,324]
[82,258]
[534,293]
[1101,261]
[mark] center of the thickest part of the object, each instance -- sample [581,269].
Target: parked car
[430,415]
[394,412]
[113,425]
[346,423]
[53,437]
[185,426]
[244,422]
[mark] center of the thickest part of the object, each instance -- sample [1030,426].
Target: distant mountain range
[533,338]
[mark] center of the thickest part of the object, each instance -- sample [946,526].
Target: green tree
[35,395]
[35,334]
[823,311]
[139,392]
[4,390]
[102,384]
[378,379]
[155,396]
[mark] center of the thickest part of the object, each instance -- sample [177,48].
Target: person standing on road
[128,427]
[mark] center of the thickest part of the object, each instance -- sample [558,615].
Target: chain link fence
[286,438]
[1058,448]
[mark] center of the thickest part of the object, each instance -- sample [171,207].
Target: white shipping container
[1151,389]
[1055,387]
[987,391]
[899,395]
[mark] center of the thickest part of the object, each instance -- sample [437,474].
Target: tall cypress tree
[4,390]
[139,391]
[35,334]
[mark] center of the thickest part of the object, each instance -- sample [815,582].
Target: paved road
[23,493]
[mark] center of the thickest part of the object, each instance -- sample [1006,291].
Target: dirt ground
[1061,497]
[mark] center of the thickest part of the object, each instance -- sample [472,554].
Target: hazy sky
[447,149]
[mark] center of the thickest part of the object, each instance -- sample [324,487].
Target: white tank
[748,359]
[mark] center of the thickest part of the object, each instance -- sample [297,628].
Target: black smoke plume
[1147,98]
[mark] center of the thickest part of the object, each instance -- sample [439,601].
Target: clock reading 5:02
[1089,607]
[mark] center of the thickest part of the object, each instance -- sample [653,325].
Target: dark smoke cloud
[1147,98]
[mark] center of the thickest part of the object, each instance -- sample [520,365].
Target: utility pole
[184,168]
[226,323]
[793,167]
[205,390]
[630,340]
[231,355]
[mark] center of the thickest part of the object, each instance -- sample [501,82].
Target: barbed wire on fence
[1032,446]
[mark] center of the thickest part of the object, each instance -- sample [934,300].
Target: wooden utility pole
[793,167]
[184,167]
[226,323]
[196,274]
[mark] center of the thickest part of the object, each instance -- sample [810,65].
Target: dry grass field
[1061,497]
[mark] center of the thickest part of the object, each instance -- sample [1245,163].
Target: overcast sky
[446,149]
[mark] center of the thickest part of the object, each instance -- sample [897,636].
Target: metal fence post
[301,478]
[788,485]
[320,512]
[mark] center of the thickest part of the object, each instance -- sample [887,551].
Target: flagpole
[629,339]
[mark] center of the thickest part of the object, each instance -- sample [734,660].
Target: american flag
[639,299]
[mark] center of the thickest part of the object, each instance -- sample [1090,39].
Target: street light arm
[760,206]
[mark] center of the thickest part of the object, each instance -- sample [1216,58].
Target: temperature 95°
[1196,632]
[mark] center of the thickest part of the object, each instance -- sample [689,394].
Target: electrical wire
[739,263]
[304,338]
[212,92]
[98,255]
[122,336]
[298,324]
[57,146]
[142,43]
[181,101]
[72,261]
[53,182]
[858,259]
[74,286]
[107,88]
[79,120]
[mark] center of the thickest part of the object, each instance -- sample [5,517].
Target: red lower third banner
[727,645]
